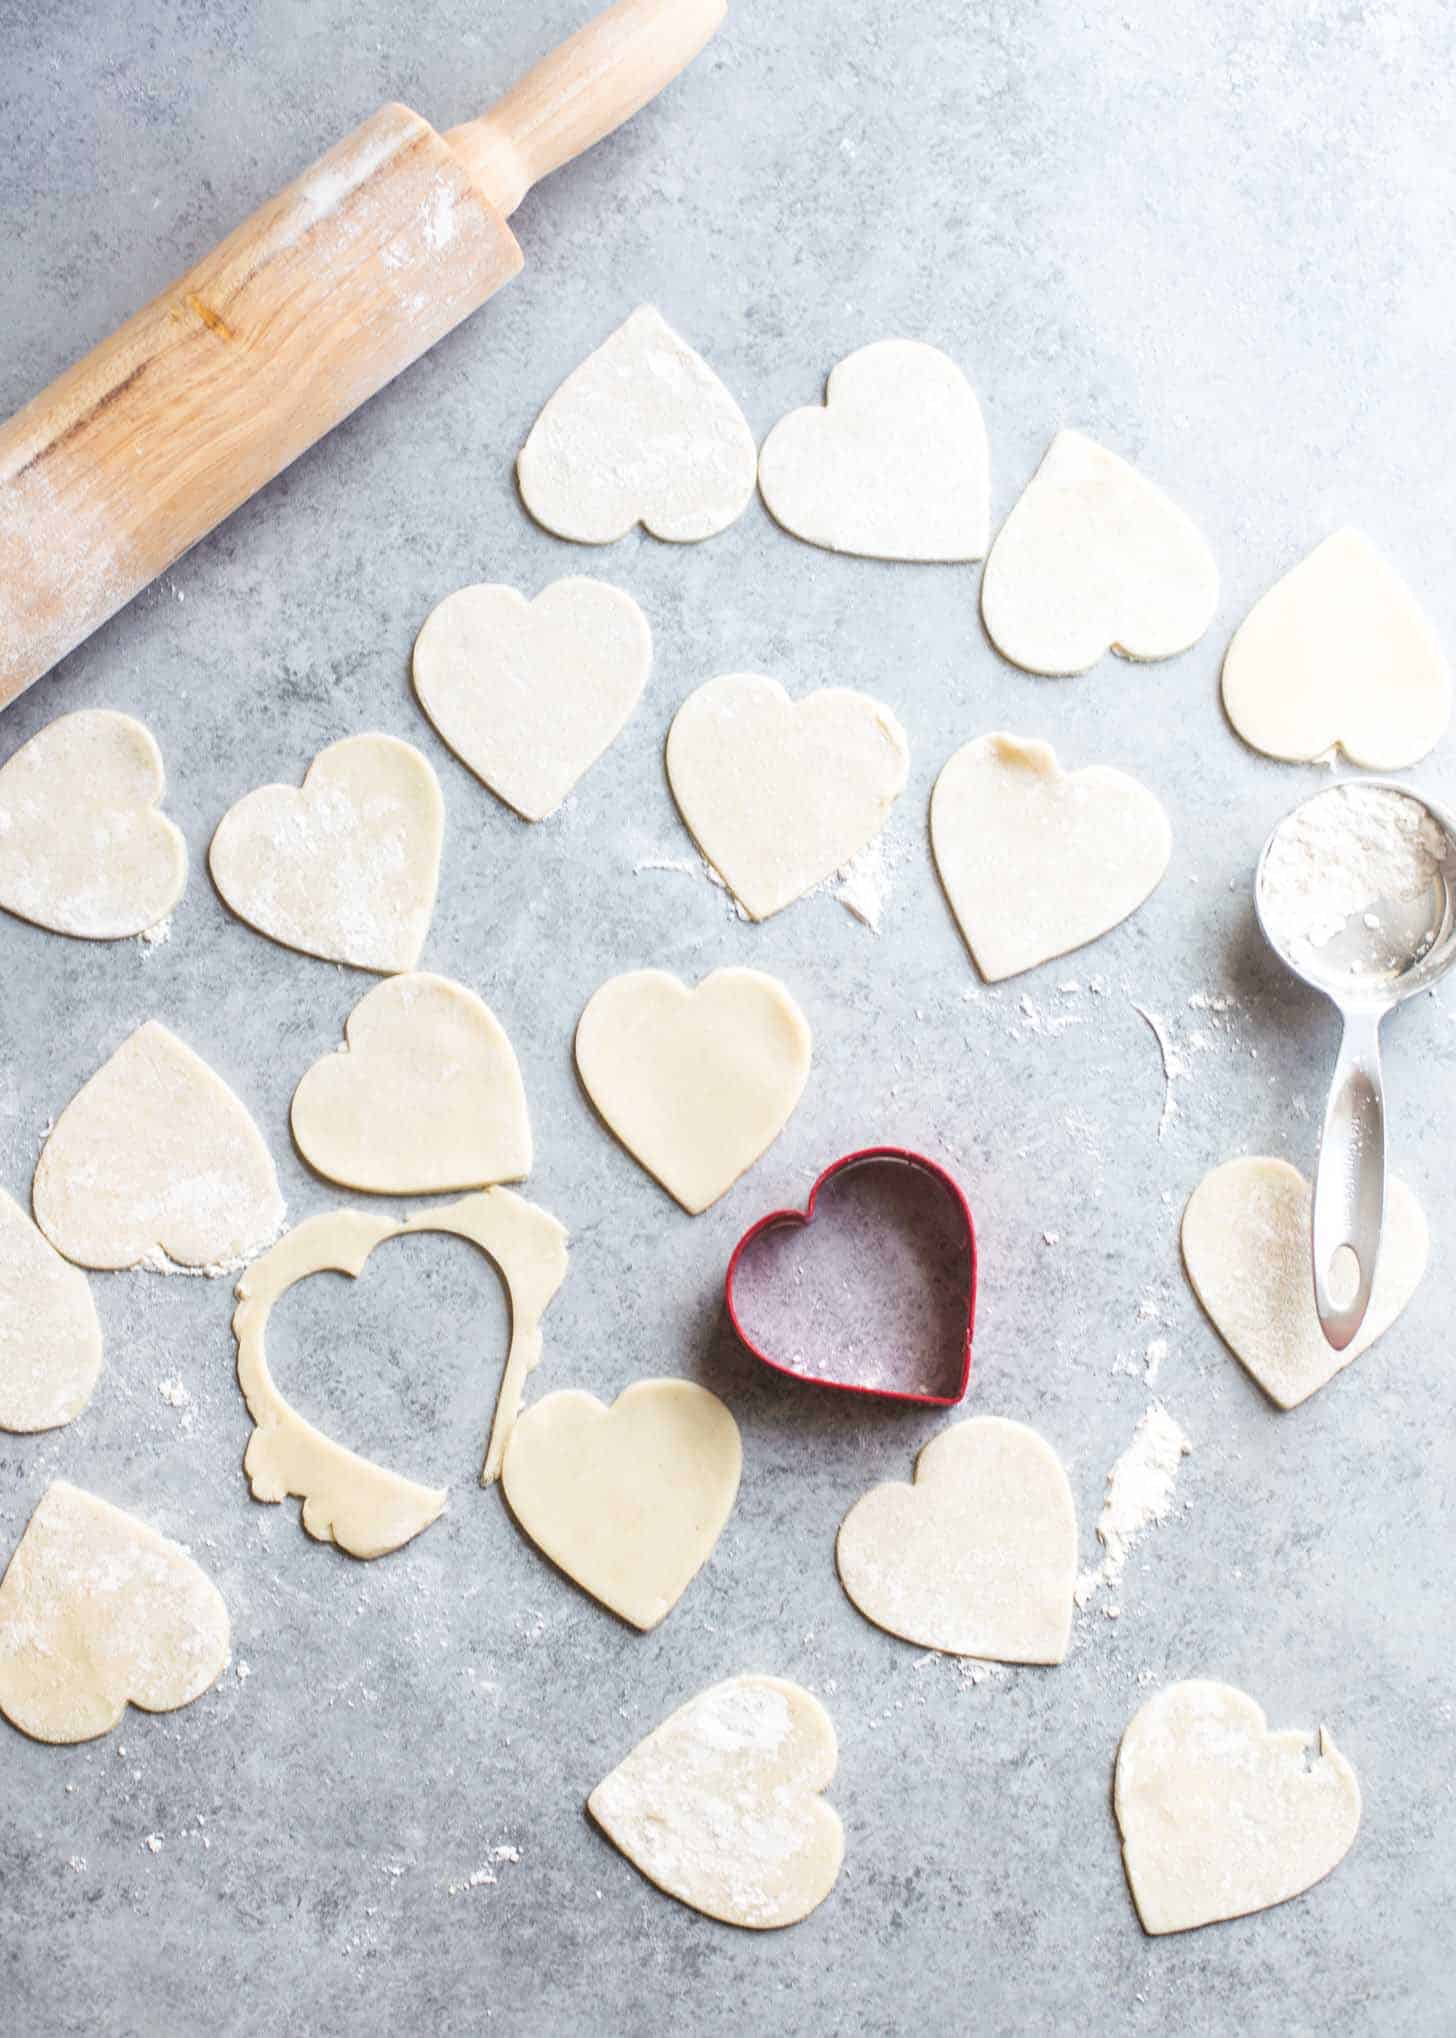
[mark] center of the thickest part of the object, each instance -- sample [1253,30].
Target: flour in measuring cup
[1339,856]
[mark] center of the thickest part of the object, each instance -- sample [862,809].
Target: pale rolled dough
[50,1338]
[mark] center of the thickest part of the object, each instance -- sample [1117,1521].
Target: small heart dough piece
[894,464]
[50,1339]
[1339,654]
[83,847]
[1035,860]
[1246,1249]
[628,1500]
[979,1556]
[1218,1816]
[696,1084]
[642,432]
[529,694]
[720,1806]
[1094,558]
[97,1611]
[155,1159]
[780,794]
[344,867]
[427,1096]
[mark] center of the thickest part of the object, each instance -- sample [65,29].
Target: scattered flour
[863,886]
[151,938]
[1139,1495]
[174,1393]
[479,1878]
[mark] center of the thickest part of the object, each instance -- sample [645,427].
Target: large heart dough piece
[778,794]
[154,1159]
[979,1556]
[530,693]
[1218,1816]
[83,847]
[1036,860]
[894,465]
[50,1339]
[1339,653]
[344,866]
[97,1611]
[642,432]
[627,1500]
[720,1806]
[1094,558]
[426,1097]
[697,1084]
[1246,1248]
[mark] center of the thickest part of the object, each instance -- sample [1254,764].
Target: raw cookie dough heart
[642,432]
[1339,653]
[720,1806]
[50,1339]
[83,847]
[529,694]
[894,464]
[979,1556]
[98,1611]
[1035,860]
[696,1084]
[344,867]
[1094,558]
[1246,1249]
[779,794]
[628,1500]
[1218,1816]
[426,1097]
[155,1160]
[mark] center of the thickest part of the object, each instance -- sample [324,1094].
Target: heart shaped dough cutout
[893,465]
[345,866]
[84,849]
[697,1084]
[1035,860]
[1246,1248]
[1339,654]
[1093,558]
[154,1160]
[780,795]
[979,1556]
[628,1500]
[529,694]
[97,1611]
[427,1095]
[50,1339]
[720,1806]
[1219,1817]
[642,432]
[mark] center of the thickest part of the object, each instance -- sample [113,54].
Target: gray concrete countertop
[1218,238]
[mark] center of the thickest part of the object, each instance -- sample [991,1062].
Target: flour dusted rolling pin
[310,306]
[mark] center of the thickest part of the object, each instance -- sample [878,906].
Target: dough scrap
[155,1160]
[426,1097]
[84,847]
[1246,1249]
[628,1500]
[642,432]
[1035,860]
[979,1556]
[98,1611]
[893,465]
[362,1507]
[1339,654]
[720,1806]
[697,1084]
[1219,1817]
[1093,558]
[778,794]
[344,867]
[50,1338]
[529,694]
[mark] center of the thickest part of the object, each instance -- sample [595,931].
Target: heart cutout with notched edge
[1246,1232]
[871,1287]
[98,1611]
[722,1806]
[529,694]
[50,1339]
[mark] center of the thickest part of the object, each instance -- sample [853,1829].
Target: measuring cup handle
[1349,1185]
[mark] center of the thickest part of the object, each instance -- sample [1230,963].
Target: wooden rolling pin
[310,306]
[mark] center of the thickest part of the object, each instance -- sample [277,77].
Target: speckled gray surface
[1217,237]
